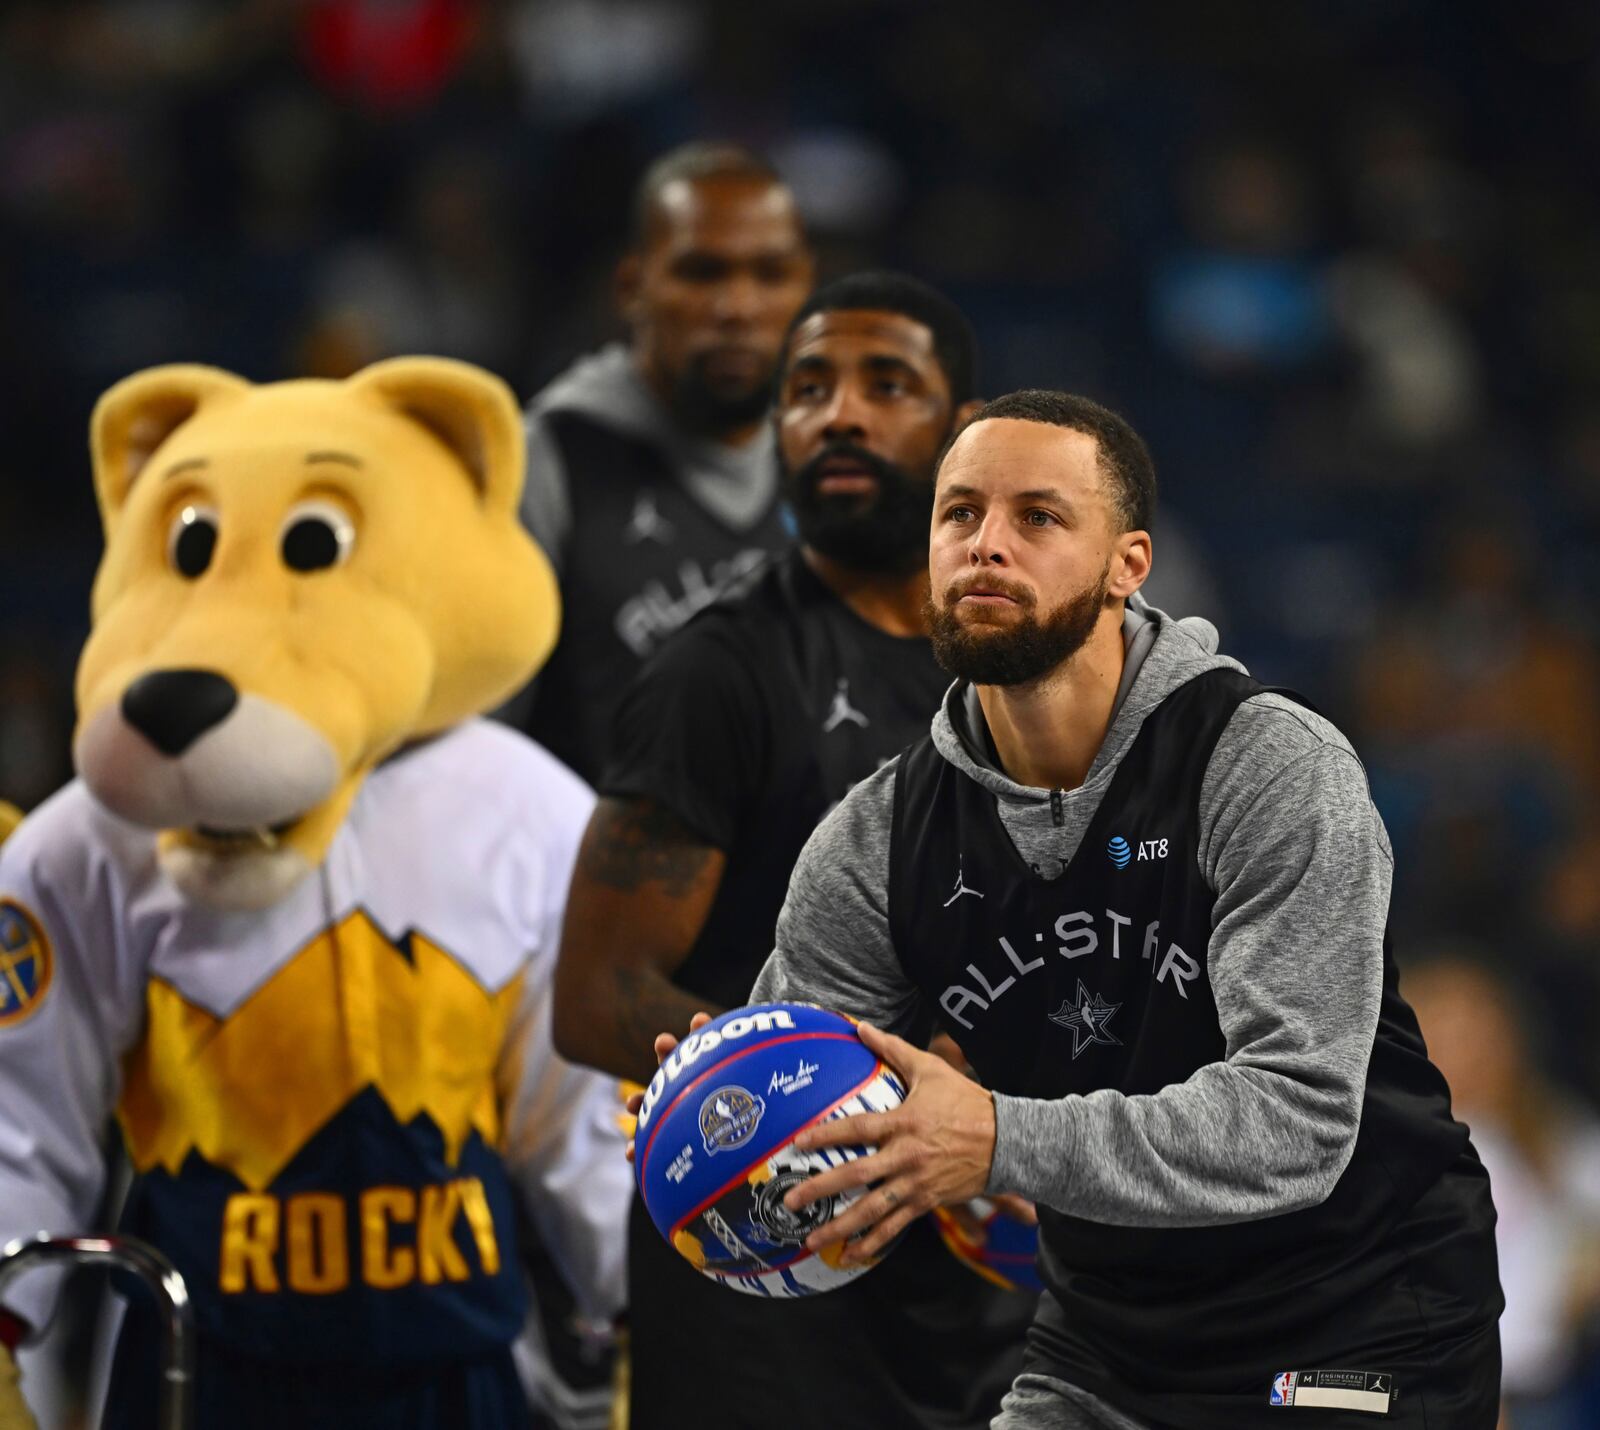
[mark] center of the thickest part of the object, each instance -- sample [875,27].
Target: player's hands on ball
[665,1043]
[936,1147]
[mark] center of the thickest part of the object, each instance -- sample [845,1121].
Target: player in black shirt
[728,749]
[652,482]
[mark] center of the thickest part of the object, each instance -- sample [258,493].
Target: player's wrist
[992,1132]
[1005,1157]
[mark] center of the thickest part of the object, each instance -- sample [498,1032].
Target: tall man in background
[651,477]
[727,750]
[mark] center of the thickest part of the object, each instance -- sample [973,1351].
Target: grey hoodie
[735,484]
[1300,864]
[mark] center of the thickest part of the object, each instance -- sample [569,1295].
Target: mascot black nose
[174,708]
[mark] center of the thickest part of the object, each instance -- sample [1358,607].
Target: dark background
[1338,261]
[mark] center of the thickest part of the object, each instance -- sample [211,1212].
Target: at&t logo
[1120,852]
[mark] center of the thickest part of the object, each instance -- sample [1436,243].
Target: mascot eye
[316,535]
[192,541]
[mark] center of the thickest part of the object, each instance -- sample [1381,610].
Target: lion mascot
[294,922]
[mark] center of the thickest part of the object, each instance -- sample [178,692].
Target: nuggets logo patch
[729,1118]
[26,963]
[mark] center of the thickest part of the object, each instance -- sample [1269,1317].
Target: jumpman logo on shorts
[961,888]
[842,710]
[647,524]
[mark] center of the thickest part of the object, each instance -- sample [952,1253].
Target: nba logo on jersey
[1283,1388]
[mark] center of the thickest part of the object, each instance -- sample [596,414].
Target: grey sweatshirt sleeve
[833,945]
[1301,865]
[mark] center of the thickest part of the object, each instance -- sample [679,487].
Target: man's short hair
[692,163]
[1124,458]
[883,292]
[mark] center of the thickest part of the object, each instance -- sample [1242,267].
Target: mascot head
[298,579]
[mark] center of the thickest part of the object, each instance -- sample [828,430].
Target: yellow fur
[443,608]
[14,1413]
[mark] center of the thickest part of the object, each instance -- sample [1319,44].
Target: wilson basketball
[714,1154]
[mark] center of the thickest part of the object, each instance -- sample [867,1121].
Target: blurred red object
[388,54]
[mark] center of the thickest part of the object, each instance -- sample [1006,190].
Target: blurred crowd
[1339,263]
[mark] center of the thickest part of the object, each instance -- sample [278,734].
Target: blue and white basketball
[714,1154]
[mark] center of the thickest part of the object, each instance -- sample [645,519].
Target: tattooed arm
[640,895]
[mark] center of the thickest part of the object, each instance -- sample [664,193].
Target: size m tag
[1369,1390]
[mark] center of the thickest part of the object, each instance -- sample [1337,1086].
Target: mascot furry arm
[13,1409]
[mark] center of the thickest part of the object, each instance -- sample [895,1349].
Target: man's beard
[1022,652]
[709,407]
[881,530]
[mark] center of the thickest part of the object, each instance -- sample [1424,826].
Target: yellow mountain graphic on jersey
[349,1011]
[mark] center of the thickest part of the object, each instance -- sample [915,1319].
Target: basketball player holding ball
[1148,896]
[726,752]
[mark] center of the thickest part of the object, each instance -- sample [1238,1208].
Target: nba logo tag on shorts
[1369,1390]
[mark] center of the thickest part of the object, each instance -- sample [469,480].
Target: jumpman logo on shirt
[843,710]
[961,888]
[647,524]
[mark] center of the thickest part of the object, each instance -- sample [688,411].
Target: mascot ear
[136,416]
[471,411]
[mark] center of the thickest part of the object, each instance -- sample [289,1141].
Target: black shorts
[1451,1387]
[1420,1308]
[918,1342]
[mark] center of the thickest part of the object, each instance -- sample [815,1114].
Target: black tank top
[643,557]
[1099,979]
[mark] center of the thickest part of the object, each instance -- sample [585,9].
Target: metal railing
[126,1253]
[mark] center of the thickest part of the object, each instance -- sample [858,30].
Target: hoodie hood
[1162,652]
[607,388]
[738,484]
